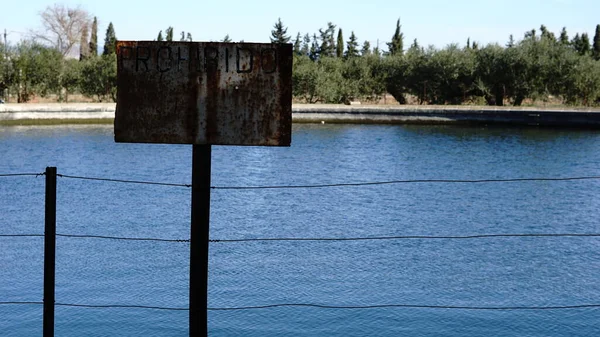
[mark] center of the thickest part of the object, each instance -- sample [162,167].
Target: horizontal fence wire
[412,306]
[318,306]
[366,238]
[389,182]
[77,236]
[21,303]
[3,175]
[118,306]
[418,237]
[123,181]
[21,235]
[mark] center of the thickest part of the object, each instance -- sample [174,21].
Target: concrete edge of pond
[94,113]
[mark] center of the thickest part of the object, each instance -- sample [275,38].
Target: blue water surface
[490,272]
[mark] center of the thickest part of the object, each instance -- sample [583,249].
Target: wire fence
[8,175]
[318,306]
[314,239]
[21,235]
[367,238]
[353,184]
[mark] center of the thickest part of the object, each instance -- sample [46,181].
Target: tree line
[539,67]
[46,63]
[329,68]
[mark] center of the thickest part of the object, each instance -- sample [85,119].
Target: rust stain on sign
[204,93]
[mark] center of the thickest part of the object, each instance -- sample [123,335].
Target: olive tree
[36,70]
[99,78]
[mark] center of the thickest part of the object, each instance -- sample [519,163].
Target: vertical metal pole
[49,251]
[199,240]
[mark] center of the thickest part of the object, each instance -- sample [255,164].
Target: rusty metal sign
[204,93]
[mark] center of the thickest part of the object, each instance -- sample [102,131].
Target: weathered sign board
[204,93]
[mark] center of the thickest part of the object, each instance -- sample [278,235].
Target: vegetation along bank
[331,66]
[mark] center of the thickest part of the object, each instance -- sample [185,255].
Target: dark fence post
[199,240]
[49,252]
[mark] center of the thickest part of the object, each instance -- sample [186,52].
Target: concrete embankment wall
[18,114]
[362,114]
[448,115]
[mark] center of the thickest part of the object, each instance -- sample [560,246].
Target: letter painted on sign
[244,60]
[182,58]
[144,60]
[191,57]
[166,61]
[211,57]
[268,60]
[199,64]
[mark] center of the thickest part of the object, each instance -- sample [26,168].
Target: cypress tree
[546,34]
[530,35]
[110,41]
[511,41]
[576,43]
[324,47]
[396,47]
[169,33]
[564,37]
[585,44]
[94,38]
[160,37]
[327,47]
[352,49]
[298,44]
[279,33]
[305,50]
[366,49]
[315,51]
[468,43]
[339,47]
[331,33]
[376,51]
[415,45]
[84,47]
[596,49]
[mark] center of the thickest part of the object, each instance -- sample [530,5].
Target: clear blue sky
[437,22]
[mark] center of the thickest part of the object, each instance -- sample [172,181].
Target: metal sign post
[203,93]
[49,252]
[201,164]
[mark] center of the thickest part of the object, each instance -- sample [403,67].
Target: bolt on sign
[204,93]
